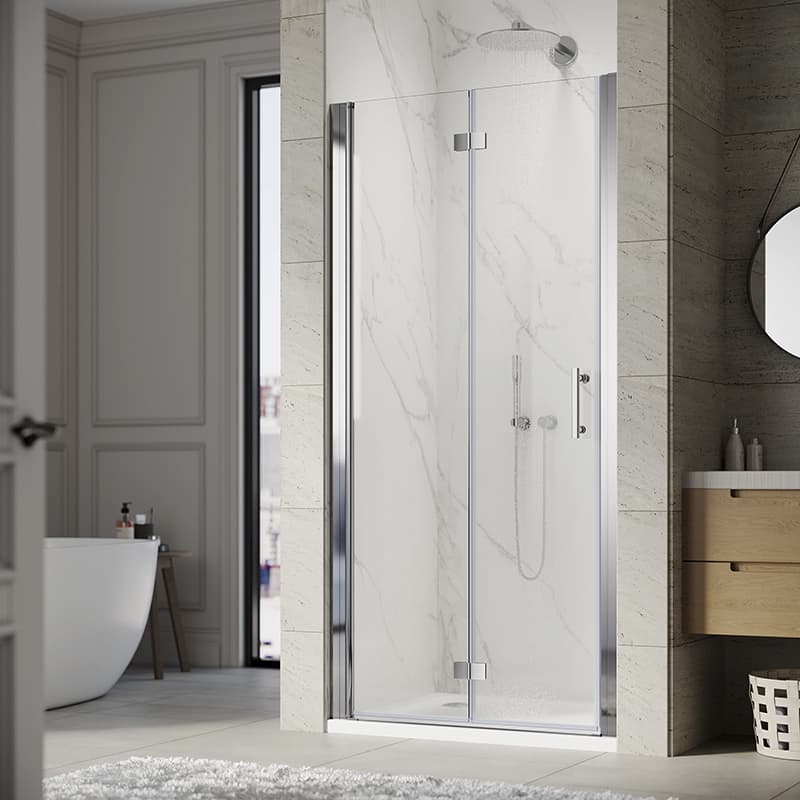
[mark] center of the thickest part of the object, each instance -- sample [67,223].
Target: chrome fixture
[547,423]
[469,671]
[561,50]
[463,142]
[517,421]
[578,379]
[523,424]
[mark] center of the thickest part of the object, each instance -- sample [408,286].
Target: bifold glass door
[535,429]
[468,518]
[410,390]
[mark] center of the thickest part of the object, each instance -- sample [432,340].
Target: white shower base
[454,733]
[545,711]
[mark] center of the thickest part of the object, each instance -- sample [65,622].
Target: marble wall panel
[301,8]
[643,700]
[302,307]
[642,443]
[302,64]
[643,54]
[302,177]
[379,49]
[643,173]
[642,579]
[643,302]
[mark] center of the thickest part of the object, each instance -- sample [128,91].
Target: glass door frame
[340,194]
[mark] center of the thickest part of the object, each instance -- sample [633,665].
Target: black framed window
[262,261]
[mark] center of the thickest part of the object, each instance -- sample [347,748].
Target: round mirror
[775,282]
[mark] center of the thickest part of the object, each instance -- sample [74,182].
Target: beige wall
[304,497]
[643,365]
[150,369]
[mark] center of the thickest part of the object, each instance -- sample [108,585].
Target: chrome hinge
[469,141]
[466,671]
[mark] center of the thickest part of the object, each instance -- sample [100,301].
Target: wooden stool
[166,567]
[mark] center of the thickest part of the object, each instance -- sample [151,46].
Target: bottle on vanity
[124,529]
[755,455]
[734,450]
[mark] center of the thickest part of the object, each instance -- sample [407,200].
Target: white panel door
[22,393]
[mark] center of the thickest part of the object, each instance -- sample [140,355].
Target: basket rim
[776,674]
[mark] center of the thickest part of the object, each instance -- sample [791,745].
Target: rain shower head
[562,50]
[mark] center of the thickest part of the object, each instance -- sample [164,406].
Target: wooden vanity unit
[741,553]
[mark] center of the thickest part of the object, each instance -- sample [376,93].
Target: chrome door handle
[578,379]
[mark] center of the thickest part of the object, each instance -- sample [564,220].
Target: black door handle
[29,431]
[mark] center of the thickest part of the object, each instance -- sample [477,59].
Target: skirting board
[453,733]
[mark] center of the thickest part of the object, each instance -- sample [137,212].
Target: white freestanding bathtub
[97,597]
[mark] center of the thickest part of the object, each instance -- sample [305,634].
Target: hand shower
[521,423]
[518,422]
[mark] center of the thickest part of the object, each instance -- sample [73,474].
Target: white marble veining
[734,479]
[409,397]
[385,48]
[535,295]
[536,284]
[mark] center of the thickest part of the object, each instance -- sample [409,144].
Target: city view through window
[270,372]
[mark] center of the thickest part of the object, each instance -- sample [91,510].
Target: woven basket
[775,698]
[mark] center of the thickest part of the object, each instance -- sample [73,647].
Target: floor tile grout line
[783,791]
[334,761]
[562,769]
[160,743]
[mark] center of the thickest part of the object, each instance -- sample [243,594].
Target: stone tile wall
[304,647]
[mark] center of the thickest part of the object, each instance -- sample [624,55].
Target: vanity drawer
[760,525]
[741,599]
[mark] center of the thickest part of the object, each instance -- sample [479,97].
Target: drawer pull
[761,566]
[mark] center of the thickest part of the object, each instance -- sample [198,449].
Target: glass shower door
[535,602]
[410,408]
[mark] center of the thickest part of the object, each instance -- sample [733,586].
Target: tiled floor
[233,714]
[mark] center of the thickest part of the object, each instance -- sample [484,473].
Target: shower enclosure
[473,241]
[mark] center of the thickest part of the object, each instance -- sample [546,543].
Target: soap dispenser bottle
[124,529]
[734,451]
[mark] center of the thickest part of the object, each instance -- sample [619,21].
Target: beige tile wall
[696,329]
[304,704]
[643,300]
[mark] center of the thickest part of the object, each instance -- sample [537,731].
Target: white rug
[202,779]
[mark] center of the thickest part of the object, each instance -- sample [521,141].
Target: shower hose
[520,568]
